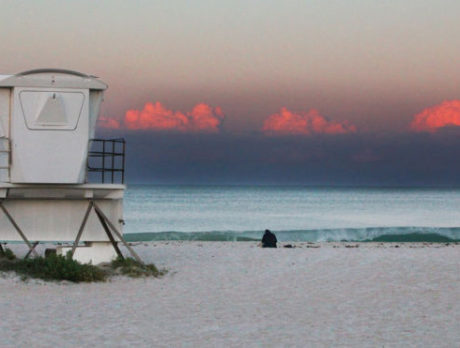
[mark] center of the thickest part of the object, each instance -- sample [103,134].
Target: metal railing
[106,157]
[5,159]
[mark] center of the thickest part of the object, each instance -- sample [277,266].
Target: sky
[356,92]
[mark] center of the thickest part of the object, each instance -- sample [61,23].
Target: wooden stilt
[2,252]
[109,234]
[30,251]
[82,227]
[31,248]
[118,234]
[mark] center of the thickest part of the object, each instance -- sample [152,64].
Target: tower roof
[52,78]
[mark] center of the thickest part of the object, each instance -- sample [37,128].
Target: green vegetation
[58,267]
[135,269]
[7,254]
[53,267]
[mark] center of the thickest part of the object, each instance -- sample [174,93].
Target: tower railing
[106,159]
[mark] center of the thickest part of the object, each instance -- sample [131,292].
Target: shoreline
[20,249]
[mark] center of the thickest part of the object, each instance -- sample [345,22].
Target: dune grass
[52,267]
[59,268]
[7,254]
[132,268]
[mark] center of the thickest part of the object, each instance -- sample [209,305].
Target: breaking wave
[370,234]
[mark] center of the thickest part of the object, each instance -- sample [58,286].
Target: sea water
[294,213]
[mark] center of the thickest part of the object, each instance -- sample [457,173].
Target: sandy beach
[234,294]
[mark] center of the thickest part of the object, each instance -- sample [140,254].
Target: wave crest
[376,234]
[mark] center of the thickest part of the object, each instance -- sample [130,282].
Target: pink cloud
[286,122]
[105,122]
[431,119]
[156,117]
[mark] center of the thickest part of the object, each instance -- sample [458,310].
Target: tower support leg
[117,233]
[30,251]
[18,229]
[109,234]
[82,227]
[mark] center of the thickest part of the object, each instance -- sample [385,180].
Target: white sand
[228,294]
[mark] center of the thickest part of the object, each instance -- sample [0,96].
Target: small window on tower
[51,110]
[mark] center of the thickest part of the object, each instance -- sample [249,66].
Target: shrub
[54,267]
[132,268]
[58,267]
[7,254]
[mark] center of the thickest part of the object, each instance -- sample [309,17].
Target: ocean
[294,213]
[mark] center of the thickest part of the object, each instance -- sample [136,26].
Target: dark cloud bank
[403,159]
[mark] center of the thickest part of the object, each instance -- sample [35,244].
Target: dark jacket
[269,240]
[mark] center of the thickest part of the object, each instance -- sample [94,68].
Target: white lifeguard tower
[48,155]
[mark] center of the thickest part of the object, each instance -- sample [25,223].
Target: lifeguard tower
[58,183]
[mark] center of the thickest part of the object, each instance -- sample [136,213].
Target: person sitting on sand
[269,240]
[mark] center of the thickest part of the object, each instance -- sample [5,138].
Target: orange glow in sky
[156,117]
[287,122]
[438,116]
